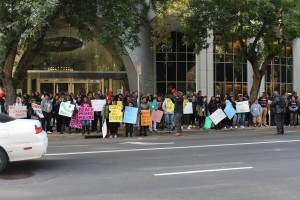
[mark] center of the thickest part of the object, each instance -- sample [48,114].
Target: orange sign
[145,118]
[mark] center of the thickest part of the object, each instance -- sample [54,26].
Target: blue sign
[229,111]
[130,115]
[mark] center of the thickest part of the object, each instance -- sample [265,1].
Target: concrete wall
[296,65]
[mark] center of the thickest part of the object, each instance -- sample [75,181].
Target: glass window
[283,74]
[160,71]
[276,73]
[219,88]
[268,76]
[161,87]
[181,87]
[219,72]
[160,56]
[191,57]
[181,56]
[171,86]
[289,70]
[181,71]
[229,72]
[171,71]
[289,88]
[191,71]
[171,57]
[191,87]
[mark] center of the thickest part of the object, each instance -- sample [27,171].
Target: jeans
[178,122]
[46,120]
[279,120]
[240,116]
[293,118]
[169,120]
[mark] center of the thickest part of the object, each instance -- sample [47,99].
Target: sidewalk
[55,136]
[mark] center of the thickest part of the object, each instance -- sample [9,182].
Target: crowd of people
[262,112]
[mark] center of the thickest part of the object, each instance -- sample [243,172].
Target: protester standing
[178,112]
[279,105]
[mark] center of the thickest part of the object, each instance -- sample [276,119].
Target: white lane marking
[202,171]
[171,148]
[146,143]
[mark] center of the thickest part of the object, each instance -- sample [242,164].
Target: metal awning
[117,75]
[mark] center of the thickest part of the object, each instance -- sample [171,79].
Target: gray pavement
[228,165]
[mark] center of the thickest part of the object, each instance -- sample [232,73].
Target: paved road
[231,166]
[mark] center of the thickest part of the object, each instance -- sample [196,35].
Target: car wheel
[3,160]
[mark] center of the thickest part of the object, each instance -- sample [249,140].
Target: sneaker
[235,127]
[224,128]
[49,132]
[242,126]
[181,127]
[231,127]
[193,126]
[116,136]
[110,136]
[189,127]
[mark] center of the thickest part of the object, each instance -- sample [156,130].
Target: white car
[21,139]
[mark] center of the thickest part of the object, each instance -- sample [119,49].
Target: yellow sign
[115,114]
[170,106]
[145,118]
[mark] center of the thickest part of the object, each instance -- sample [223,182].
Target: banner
[17,111]
[157,115]
[242,107]
[98,104]
[130,115]
[229,111]
[115,113]
[85,113]
[188,109]
[217,116]
[75,122]
[66,109]
[145,118]
[170,106]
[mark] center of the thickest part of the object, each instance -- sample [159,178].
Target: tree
[262,28]
[24,24]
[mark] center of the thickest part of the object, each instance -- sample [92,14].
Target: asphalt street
[238,165]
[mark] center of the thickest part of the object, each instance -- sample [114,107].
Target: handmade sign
[98,104]
[145,118]
[217,116]
[130,115]
[188,109]
[85,113]
[75,122]
[17,111]
[229,111]
[207,123]
[170,106]
[157,115]
[242,107]
[66,109]
[115,113]
[35,106]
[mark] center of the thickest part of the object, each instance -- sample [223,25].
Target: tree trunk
[255,86]
[6,73]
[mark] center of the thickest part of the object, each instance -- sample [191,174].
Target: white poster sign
[98,104]
[217,116]
[242,107]
[188,109]
[66,109]
[17,111]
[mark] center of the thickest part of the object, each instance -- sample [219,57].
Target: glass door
[79,88]
[61,88]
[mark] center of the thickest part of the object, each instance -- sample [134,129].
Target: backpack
[282,103]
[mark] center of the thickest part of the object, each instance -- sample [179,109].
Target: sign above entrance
[94,81]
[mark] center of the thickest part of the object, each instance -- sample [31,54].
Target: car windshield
[5,118]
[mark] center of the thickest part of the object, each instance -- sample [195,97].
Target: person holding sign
[144,107]
[85,123]
[65,119]
[46,106]
[129,126]
[168,107]
[178,112]
[153,106]
[105,117]
[241,115]
[113,125]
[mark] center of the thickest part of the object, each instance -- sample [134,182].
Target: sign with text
[229,111]
[170,106]
[242,107]
[18,111]
[188,109]
[75,122]
[36,106]
[130,115]
[157,115]
[217,116]
[85,113]
[66,109]
[145,118]
[115,113]
[98,104]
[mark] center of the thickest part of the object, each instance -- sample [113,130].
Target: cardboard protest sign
[157,115]
[130,115]
[66,109]
[98,104]
[188,109]
[36,106]
[145,118]
[115,113]
[229,111]
[75,122]
[217,116]
[17,111]
[170,106]
[85,113]
[242,107]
